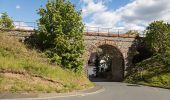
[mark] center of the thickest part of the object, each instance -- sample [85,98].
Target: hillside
[26,70]
[151,72]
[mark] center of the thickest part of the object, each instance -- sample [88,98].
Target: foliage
[154,71]
[142,53]
[158,39]
[151,72]
[16,57]
[6,22]
[133,32]
[97,64]
[157,36]
[103,63]
[60,34]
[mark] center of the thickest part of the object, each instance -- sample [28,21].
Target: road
[123,91]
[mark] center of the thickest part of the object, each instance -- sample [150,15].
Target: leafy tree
[158,40]
[132,32]
[101,70]
[157,36]
[6,22]
[60,33]
[97,64]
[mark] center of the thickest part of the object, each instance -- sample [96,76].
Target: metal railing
[88,30]
[111,31]
[25,25]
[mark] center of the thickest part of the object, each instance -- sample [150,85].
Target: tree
[158,40]
[97,65]
[157,36]
[6,22]
[133,32]
[103,63]
[60,33]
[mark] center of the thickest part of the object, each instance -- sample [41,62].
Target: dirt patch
[33,80]
[23,74]
[11,82]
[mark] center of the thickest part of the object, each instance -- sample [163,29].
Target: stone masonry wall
[126,45]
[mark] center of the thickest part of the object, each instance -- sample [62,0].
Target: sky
[122,14]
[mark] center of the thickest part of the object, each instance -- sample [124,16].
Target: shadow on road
[94,79]
[99,80]
[133,85]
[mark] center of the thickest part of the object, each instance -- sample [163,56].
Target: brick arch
[94,46]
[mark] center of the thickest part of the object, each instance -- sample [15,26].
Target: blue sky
[21,10]
[25,10]
[135,14]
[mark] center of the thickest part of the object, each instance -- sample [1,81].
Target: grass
[26,70]
[150,72]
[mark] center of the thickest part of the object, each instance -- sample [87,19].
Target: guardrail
[25,25]
[112,31]
[88,30]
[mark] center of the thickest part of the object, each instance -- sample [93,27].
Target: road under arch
[106,62]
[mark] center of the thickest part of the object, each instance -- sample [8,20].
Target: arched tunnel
[106,62]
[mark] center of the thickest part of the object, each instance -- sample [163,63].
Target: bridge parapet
[25,32]
[112,32]
[88,30]
[108,34]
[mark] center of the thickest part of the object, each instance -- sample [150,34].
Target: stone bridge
[120,46]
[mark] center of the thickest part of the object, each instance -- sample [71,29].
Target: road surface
[123,91]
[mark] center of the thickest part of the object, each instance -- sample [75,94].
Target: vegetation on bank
[58,67]
[154,70]
[26,70]
[6,22]
[60,34]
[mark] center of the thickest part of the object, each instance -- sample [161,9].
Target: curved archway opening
[106,62]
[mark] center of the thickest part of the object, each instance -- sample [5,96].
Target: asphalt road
[123,91]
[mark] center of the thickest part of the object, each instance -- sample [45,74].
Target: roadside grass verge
[150,72]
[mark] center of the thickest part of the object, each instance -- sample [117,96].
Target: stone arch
[117,72]
[96,45]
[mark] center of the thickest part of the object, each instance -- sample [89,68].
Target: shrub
[60,33]
[6,22]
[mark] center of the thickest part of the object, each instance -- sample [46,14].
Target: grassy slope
[25,70]
[153,73]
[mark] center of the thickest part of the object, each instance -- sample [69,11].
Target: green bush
[6,22]
[158,36]
[60,34]
[154,71]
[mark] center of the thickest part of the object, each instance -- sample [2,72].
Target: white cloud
[105,19]
[92,7]
[23,25]
[18,7]
[144,11]
[135,15]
